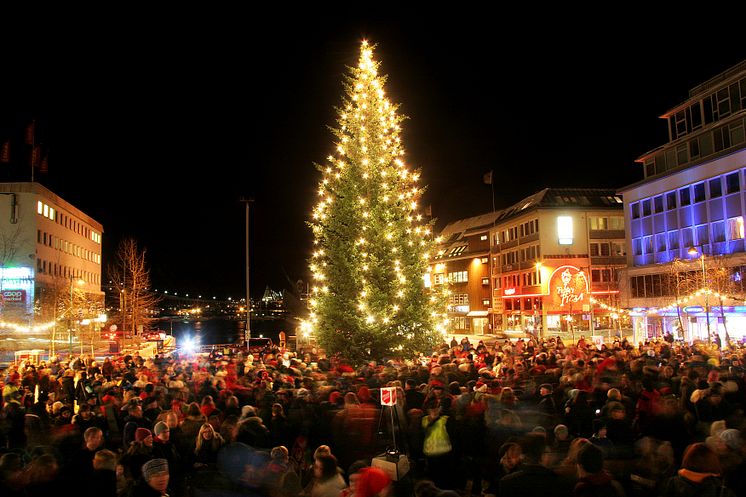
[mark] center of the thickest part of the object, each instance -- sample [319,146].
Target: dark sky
[157,132]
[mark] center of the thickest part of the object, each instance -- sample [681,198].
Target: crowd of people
[522,417]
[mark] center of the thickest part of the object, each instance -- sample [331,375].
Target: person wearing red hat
[138,453]
[372,482]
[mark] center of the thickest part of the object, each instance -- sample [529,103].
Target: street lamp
[693,252]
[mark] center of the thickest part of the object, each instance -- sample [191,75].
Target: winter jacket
[692,484]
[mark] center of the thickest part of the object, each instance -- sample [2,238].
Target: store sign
[14,296]
[569,287]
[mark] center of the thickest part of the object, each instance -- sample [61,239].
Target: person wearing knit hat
[154,481]
[372,482]
[144,435]
[161,430]
[732,439]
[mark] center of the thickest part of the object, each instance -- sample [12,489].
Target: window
[646,207]
[687,237]
[684,198]
[616,223]
[594,250]
[660,242]
[482,238]
[599,223]
[458,277]
[617,249]
[485,281]
[673,240]
[732,185]
[648,244]
[670,200]
[735,228]
[39,207]
[635,210]
[699,192]
[703,234]
[438,279]
[564,230]
[486,302]
[605,252]
[658,204]
[718,231]
[716,188]
[637,246]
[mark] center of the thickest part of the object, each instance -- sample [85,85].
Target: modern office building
[48,248]
[555,257]
[685,219]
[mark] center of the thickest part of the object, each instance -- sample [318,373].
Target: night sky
[157,132]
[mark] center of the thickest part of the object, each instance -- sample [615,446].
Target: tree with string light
[371,243]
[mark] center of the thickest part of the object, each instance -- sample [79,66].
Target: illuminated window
[735,228]
[564,230]
[39,207]
[483,237]
[485,281]
[46,210]
[485,260]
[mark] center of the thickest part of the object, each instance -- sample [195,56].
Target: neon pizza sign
[568,285]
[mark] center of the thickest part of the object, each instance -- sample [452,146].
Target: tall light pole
[693,251]
[247,331]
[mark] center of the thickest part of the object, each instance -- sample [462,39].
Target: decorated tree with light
[372,243]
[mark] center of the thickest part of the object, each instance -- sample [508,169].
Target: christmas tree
[372,244]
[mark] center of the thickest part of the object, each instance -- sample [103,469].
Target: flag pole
[30,139]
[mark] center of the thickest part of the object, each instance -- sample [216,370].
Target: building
[685,237]
[555,256]
[462,262]
[49,249]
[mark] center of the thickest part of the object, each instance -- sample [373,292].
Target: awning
[477,314]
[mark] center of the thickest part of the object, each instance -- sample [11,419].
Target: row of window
[699,192]
[458,299]
[606,223]
[606,249]
[64,220]
[711,108]
[62,271]
[531,253]
[525,304]
[528,278]
[458,277]
[521,230]
[604,275]
[55,242]
[695,148]
[716,232]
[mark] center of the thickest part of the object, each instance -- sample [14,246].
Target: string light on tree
[370,239]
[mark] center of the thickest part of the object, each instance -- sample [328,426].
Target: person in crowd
[593,480]
[326,481]
[700,475]
[153,480]
[138,453]
[510,461]
[207,446]
[372,482]
[533,478]
[103,479]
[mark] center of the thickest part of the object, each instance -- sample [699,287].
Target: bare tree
[721,281]
[681,281]
[131,276]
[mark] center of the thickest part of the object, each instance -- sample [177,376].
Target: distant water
[222,330]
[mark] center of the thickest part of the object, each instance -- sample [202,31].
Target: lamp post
[247,331]
[693,251]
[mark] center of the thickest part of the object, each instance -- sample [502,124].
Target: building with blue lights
[49,249]
[685,219]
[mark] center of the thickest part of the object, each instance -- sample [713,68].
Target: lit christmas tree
[371,244]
